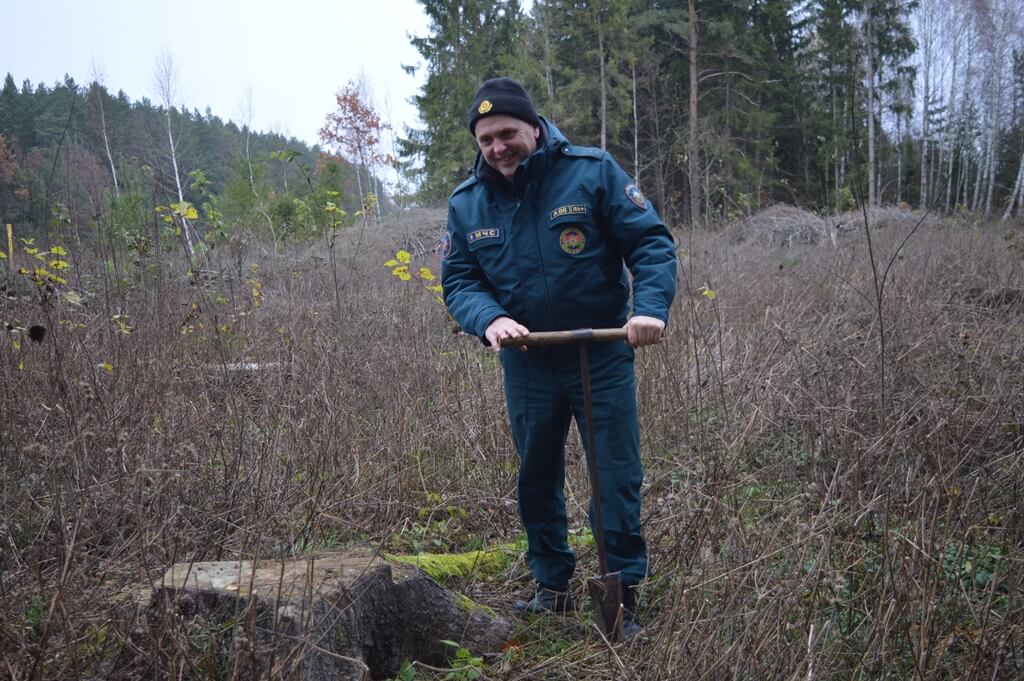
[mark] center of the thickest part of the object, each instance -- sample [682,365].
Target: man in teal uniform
[543,237]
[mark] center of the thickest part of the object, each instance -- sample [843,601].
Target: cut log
[349,616]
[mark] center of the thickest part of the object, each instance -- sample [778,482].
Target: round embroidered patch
[572,240]
[446,245]
[634,195]
[485,106]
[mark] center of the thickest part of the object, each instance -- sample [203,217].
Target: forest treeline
[77,157]
[717,107]
[721,107]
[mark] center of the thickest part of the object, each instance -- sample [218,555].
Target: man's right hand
[502,328]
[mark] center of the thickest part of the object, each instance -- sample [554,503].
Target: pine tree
[469,42]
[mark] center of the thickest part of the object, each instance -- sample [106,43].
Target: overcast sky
[293,55]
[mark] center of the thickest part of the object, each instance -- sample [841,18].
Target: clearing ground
[833,453]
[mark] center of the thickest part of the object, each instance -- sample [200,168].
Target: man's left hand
[641,331]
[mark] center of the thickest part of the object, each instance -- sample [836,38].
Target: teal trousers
[544,392]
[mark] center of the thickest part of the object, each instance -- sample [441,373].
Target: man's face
[506,142]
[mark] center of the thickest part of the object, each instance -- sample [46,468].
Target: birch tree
[96,94]
[691,150]
[166,81]
[927,22]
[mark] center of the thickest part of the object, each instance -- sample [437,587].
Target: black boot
[547,599]
[631,626]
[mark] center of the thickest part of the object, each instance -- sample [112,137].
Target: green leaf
[406,672]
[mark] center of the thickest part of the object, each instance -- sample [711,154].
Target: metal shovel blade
[606,595]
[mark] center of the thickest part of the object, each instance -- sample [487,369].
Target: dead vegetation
[822,501]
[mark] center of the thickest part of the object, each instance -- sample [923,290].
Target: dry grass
[819,504]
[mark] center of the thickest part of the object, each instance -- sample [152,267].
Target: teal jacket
[551,248]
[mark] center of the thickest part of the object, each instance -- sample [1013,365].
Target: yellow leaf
[58,264]
[709,294]
[31,251]
[426,274]
[17,345]
[436,288]
[403,256]
[405,276]
[21,366]
[177,231]
[400,271]
[57,250]
[391,263]
[191,213]
[106,366]
[3,256]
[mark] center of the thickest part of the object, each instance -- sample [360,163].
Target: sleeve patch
[446,245]
[634,195]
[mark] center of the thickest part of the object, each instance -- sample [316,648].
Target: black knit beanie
[502,96]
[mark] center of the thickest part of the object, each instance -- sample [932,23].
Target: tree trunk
[979,178]
[996,81]
[691,154]
[953,115]
[636,134]
[342,616]
[869,50]
[604,84]
[186,227]
[549,79]
[166,82]
[899,160]
[106,140]
[926,58]
[1016,190]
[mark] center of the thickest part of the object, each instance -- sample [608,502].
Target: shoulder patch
[634,195]
[582,152]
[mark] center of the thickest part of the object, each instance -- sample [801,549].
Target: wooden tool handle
[567,337]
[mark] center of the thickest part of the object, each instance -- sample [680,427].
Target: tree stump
[349,616]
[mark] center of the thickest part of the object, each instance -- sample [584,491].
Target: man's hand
[641,331]
[502,328]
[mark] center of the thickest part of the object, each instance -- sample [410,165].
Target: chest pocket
[574,232]
[489,246]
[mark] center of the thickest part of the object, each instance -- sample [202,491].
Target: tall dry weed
[809,514]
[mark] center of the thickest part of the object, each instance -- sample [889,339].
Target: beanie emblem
[485,106]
